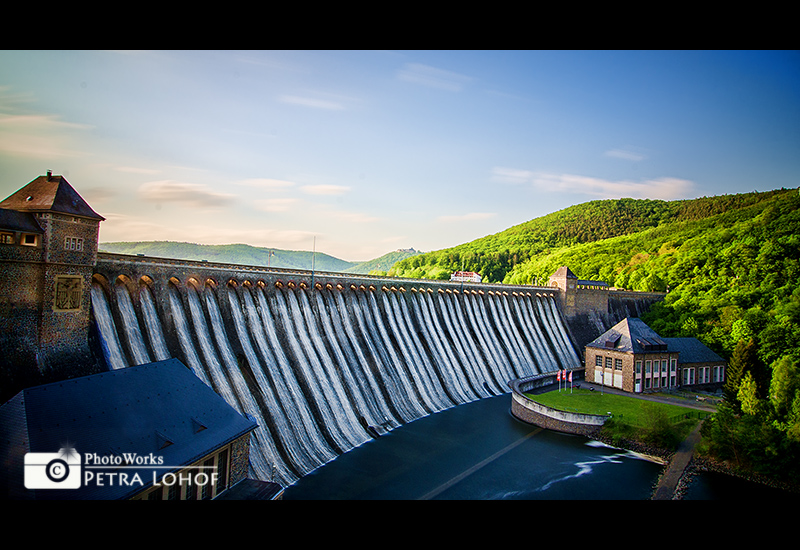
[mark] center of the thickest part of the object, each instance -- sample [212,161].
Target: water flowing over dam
[323,362]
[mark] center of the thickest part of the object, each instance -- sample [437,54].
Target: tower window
[73,243]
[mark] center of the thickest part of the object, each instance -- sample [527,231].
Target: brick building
[634,358]
[48,248]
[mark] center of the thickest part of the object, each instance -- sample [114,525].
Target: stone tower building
[48,248]
[579,297]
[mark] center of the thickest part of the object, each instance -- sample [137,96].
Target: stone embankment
[532,412]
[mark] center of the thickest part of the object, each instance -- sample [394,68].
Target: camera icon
[61,470]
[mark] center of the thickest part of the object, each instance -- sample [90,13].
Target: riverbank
[683,466]
[691,465]
[700,465]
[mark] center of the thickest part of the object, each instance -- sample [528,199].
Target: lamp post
[313,261]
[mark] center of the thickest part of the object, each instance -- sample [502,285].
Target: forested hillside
[731,267]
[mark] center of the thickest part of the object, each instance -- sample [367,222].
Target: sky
[359,153]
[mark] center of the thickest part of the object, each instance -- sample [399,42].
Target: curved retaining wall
[528,410]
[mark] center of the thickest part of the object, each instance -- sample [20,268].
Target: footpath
[665,490]
[668,483]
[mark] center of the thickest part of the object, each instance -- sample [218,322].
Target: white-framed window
[73,243]
[688,376]
[639,368]
[598,360]
[608,362]
[719,371]
[617,364]
[30,239]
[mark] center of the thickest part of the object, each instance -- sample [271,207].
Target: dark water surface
[479,451]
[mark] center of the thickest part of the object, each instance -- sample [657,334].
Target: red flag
[558,376]
[570,377]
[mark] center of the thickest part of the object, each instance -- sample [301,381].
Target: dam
[323,362]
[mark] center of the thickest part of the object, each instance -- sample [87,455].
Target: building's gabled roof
[564,271]
[50,193]
[19,221]
[692,350]
[160,408]
[630,335]
[633,335]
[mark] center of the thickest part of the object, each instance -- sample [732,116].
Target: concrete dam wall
[325,361]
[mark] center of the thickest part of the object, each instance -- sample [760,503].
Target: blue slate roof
[632,335]
[19,221]
[692,350]
[159,408]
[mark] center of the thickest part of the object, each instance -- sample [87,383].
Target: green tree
[734,374]
[743,361]
[658,430]
[784,386]
[748,396]
[740,330]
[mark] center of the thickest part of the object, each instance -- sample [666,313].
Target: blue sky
[363,152]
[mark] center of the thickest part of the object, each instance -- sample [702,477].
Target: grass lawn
[631,417]
[594,402]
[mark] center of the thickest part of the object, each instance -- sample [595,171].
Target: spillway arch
[325,362]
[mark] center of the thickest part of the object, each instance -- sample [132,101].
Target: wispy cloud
[659,188]
[432,77]
[515,176]
[137,170]
[471,217]
[267,183]
[119,227]
[625,154]
[39,136]
[188,194]
[275,205]
[324,189]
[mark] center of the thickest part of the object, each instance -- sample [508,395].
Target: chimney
[49,173]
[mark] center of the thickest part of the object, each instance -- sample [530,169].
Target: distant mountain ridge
[245,254]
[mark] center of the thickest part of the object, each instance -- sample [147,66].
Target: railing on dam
[109,263]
